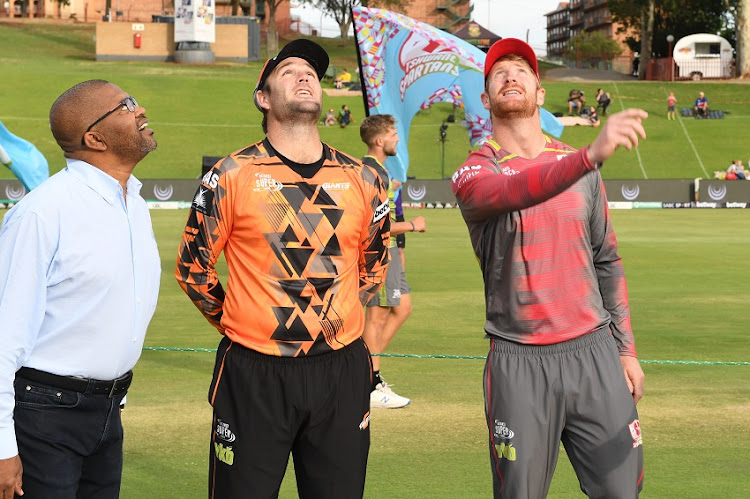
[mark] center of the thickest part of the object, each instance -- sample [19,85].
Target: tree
[341,10]
[60,5]
[592,47]
[272,41]
[678,18]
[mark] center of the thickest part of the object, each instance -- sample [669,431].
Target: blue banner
[407,65]
[26,162]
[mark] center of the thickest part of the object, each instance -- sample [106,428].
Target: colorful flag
[407,65]
[26,162]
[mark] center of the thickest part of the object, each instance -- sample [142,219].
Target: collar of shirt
[100,182]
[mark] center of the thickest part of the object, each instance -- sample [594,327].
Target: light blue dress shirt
[79,279]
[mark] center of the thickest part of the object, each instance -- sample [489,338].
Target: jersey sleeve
[609,271]
[484,189]
[374,237]
[208,227]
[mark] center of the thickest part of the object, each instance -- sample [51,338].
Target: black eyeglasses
[128,102]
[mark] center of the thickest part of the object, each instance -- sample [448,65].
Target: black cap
[302,48]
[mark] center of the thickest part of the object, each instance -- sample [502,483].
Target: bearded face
[513,90]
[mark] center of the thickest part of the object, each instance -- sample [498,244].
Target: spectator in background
[345,116]
[576,100]
[671,101]
[590,114]
[345,77]
[602,100]
[701,106]
[330,118]
[735,171]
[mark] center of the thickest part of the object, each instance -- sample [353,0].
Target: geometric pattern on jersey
[296,214]
[302,252]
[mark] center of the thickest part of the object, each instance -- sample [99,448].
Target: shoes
[384,398]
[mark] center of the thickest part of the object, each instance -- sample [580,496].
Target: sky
[506,18]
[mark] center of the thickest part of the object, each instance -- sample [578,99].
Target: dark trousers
[265,407]
[70,443]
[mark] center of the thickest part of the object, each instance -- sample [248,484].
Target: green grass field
[689,302]
[687,275]
[207,111]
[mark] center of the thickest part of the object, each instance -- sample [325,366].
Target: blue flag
[408,65]
[26,162]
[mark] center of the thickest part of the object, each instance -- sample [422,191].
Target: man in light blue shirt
[79,279]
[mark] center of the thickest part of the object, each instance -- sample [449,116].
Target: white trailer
[703,55]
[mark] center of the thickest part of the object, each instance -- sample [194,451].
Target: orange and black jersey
[305,248]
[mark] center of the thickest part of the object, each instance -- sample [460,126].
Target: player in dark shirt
[557,312]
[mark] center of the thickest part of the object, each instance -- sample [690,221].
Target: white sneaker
[384,398]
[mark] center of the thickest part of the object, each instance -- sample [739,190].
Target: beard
[135,146]
[301,112]
[513,110]
[391,151]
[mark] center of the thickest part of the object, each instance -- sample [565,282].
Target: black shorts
[317,408]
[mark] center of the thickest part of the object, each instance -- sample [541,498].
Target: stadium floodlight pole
[443,138]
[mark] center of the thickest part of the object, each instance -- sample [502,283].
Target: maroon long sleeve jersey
[542,233]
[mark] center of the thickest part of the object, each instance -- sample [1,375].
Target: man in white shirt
[79,279]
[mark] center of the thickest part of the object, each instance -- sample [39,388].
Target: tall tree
[647,36]
[678,18]
[738,31]
[591,48]
[341,10]
[272,34]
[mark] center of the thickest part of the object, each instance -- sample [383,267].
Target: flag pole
[359,62]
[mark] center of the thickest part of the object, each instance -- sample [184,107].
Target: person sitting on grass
[345,116]
[602,100]
[345,77]
[576,100]
[701,106]
[590,114]
[330,118]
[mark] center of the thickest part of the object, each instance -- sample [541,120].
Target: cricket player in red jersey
[562,363]
[304,229]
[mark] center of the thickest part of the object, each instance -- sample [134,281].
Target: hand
[419,224]
[633,376]
[621,129]
[11,473]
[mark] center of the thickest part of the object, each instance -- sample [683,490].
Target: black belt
[81,385]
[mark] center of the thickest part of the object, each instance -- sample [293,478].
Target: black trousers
[265,407]
[70,443]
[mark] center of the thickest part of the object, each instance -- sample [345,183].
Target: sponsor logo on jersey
[365,421]
[635,432]
[507,170]
[223,432]
[463,170]
[506,451]
[264,182]
[381,211]
[224,454]
[203,200]
[211,179]
[502,430]
[336,186]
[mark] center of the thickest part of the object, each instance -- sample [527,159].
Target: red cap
[510,46]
